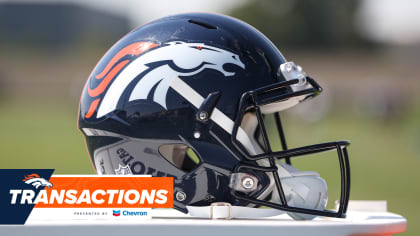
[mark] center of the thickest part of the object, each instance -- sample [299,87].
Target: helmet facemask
[303,189]
[303,194]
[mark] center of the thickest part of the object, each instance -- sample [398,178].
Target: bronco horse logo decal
[36,181]
[172,59]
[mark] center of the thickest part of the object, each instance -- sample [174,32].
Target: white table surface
[170,222]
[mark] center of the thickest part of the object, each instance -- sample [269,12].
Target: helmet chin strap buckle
[221,211]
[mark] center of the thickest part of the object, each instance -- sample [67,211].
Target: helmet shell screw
[247,183]
[203,115]
[197,134]
[180,196]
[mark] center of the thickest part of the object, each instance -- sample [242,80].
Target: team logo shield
[123,170]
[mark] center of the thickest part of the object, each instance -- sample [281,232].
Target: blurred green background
[364,53]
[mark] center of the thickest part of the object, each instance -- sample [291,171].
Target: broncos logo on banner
[36,181]
[157,68]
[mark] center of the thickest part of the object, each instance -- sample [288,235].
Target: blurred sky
[387,21]
[390,21]
[141,11]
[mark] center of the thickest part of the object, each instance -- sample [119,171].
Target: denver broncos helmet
[185,96]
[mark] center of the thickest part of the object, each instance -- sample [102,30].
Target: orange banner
[107,192]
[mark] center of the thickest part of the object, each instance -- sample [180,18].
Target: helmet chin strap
[303,189]
[222,210]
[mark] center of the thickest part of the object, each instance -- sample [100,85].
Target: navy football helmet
[185,97]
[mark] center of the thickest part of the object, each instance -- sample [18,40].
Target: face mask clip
[206,108]
[243,182]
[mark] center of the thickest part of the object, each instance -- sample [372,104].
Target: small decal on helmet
[123,170]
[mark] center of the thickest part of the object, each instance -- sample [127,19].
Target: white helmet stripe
[217,116]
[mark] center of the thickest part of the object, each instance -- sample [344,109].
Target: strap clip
[219,205]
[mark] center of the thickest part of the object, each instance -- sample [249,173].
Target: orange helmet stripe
[133,49]
[92,108]
[105,82]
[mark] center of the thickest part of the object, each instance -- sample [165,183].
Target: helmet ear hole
[181,156]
